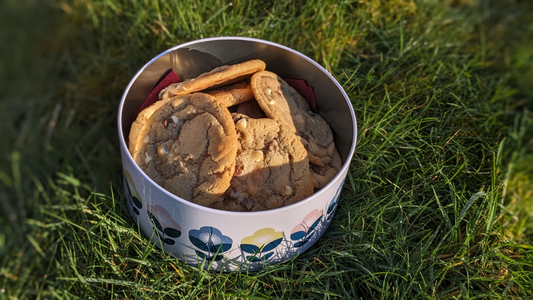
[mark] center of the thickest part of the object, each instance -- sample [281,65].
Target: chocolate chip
[273,145]
[246,202]
[305,135]
[238,171]
[232,193]
[318,170]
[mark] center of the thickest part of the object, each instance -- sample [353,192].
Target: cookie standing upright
[234,94]
[272,167]
[188,146]
[217,77]
[281,102]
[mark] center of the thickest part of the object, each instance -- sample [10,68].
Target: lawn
[438,202]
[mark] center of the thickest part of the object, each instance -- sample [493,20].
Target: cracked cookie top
[188,146]
[271,169]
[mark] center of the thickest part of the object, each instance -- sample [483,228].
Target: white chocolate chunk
[148,158]
[242,122]
[257,155]
[288,190]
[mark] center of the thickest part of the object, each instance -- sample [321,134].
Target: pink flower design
[306,229]
[164,223]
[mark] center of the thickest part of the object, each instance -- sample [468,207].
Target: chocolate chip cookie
[271,170]
[281,102]
[188,146]
[217,77]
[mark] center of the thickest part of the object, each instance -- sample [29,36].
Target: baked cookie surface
[281,102]
[232,94]
[217,77]
[188,146]
[271,170]
[139,124]
[323,175]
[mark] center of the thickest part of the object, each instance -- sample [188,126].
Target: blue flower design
[333,204]
[210,240]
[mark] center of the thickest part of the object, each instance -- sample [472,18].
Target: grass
[438,202]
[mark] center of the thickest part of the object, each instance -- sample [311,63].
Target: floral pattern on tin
[304,231]
[167,228]
[333,204]
[131,194]
[258,247]
[211,242]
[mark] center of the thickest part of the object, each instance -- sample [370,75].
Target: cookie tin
[223,240]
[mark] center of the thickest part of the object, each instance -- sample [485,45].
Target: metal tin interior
[191,59]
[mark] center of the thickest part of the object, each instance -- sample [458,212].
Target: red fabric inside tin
[301,86]
[153,97]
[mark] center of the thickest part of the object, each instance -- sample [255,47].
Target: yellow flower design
[133,190]
[262,240]
[132,195]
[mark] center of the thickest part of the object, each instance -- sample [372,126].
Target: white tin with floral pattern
[223,240]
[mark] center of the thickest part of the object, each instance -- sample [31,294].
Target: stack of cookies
[236,138]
